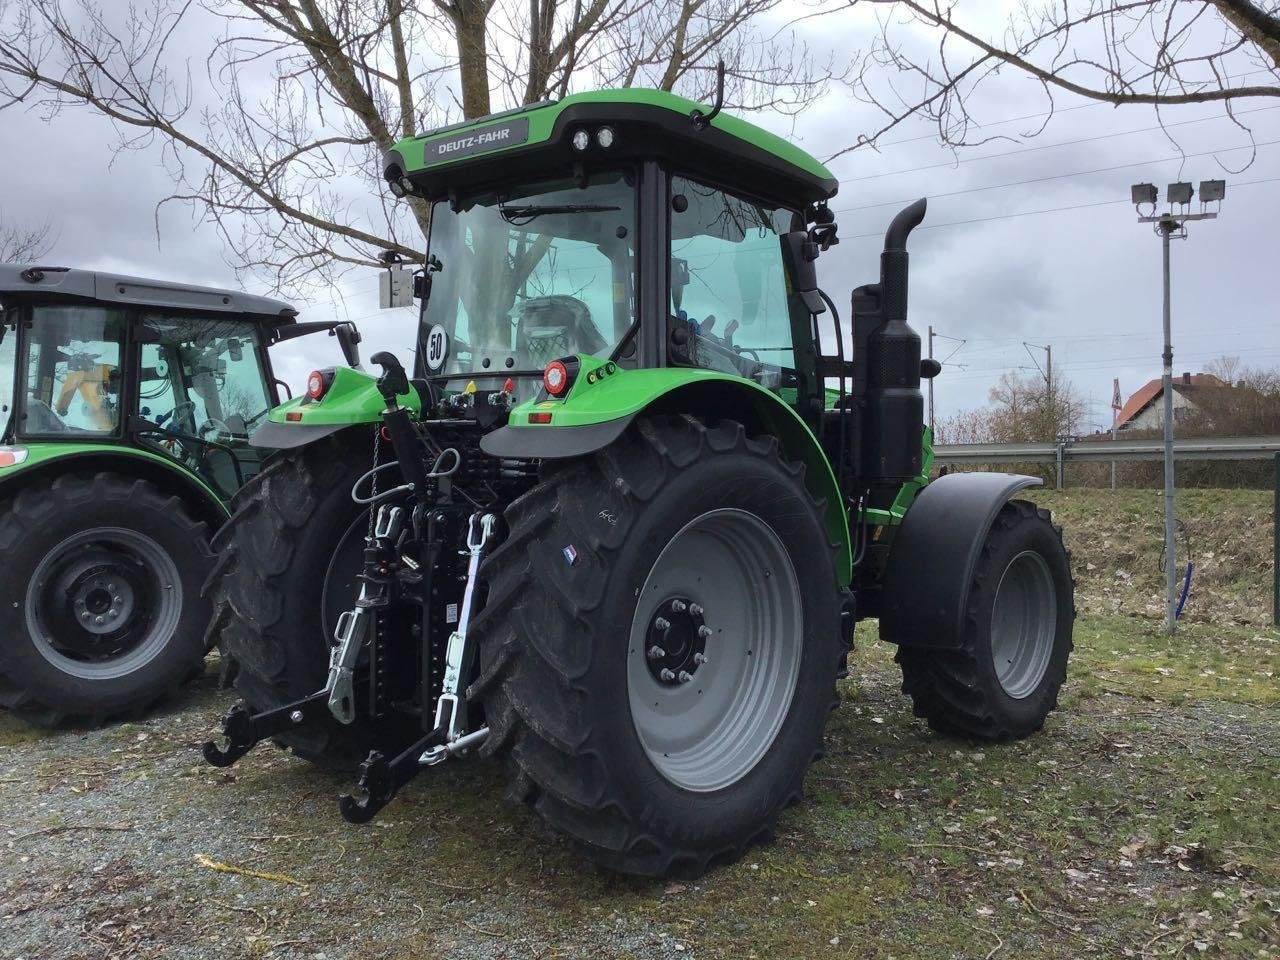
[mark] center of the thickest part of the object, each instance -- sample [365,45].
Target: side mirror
[235,350]
[800,252]
[349,341]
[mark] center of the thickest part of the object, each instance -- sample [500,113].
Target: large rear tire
[101,579]
[1004,680]
[283,561]
[705,544]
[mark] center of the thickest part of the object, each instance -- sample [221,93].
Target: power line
[1050,146]
[1058,176]
[1032,213]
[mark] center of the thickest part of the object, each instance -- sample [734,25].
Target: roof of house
[1141,398]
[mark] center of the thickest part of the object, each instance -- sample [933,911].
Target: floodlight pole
[1166,228]
[1169,225]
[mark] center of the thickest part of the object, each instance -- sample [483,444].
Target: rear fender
[48,460]
[934,554]
[592,418]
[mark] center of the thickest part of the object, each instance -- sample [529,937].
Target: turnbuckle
[448,706]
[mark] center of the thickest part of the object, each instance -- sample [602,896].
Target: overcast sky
[1084,280]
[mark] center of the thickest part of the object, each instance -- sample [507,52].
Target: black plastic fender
[934,554]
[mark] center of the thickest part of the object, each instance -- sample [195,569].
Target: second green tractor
[618,523]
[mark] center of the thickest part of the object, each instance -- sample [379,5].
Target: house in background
[1144,410]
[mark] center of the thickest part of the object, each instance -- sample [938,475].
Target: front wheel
[660,645]
[102,577]
[1004,680]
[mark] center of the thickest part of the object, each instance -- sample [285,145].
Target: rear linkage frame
[386,576]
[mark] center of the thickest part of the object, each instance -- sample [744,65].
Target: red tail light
[556,378]
[318,384]
[315,385]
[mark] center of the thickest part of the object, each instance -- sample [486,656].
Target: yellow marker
[546,405]
[471,387]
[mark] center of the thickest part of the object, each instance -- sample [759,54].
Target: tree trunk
[473,57]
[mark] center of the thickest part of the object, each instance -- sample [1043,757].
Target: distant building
[1144,410]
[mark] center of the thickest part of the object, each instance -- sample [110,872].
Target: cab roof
[58,282]
[535,140]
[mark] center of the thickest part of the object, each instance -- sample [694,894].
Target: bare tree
[21,243]
[1162,53]
[278,141]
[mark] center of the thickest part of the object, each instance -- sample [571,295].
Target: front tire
[662,763]
[1004,680]
[101,578]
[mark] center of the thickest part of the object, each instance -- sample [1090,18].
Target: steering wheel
[213,426]
[183,410]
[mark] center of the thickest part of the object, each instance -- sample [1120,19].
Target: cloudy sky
[989,268]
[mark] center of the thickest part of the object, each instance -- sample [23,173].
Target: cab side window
[72,370]
[8,367]
[730,308]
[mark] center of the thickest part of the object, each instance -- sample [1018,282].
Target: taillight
[12,456]
[556,378]
[318,383]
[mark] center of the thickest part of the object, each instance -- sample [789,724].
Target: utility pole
[1115,418]
[1168,225]
[931,428]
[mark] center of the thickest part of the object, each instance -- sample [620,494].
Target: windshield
[530,274]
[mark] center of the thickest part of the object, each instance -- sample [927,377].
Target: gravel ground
[1137,824]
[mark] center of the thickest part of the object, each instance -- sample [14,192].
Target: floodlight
[1179,193]
[1211,190]
[1144,193]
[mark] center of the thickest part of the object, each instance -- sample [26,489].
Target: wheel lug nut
[704,631]
[695,609]
[684,676]
[656,652]
[667,675]
[98,620]
[699,658]
[679,606]
[662,623]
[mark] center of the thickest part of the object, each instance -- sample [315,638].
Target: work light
[604,137]
[1144,193]
[1179,193]
[1212,190]
[581,140]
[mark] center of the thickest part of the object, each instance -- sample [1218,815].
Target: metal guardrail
[1077,451]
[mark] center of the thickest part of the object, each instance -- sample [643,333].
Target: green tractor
[619,524]
[125,412]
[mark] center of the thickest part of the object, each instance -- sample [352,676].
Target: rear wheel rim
[1024,623]
[729,594]
[103,603]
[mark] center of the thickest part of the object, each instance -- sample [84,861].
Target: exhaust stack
[887,363]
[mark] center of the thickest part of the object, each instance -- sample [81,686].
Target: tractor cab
[176,371]
[610,225]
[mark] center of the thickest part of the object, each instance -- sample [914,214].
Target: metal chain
[377,444]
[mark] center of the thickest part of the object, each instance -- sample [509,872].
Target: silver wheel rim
[1024,622]
[734,575]
[103,603]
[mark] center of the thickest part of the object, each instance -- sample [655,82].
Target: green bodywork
[626,393]
[542,121]
[352,398]
[41,453]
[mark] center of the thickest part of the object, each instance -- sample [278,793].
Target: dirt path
[1143,822]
